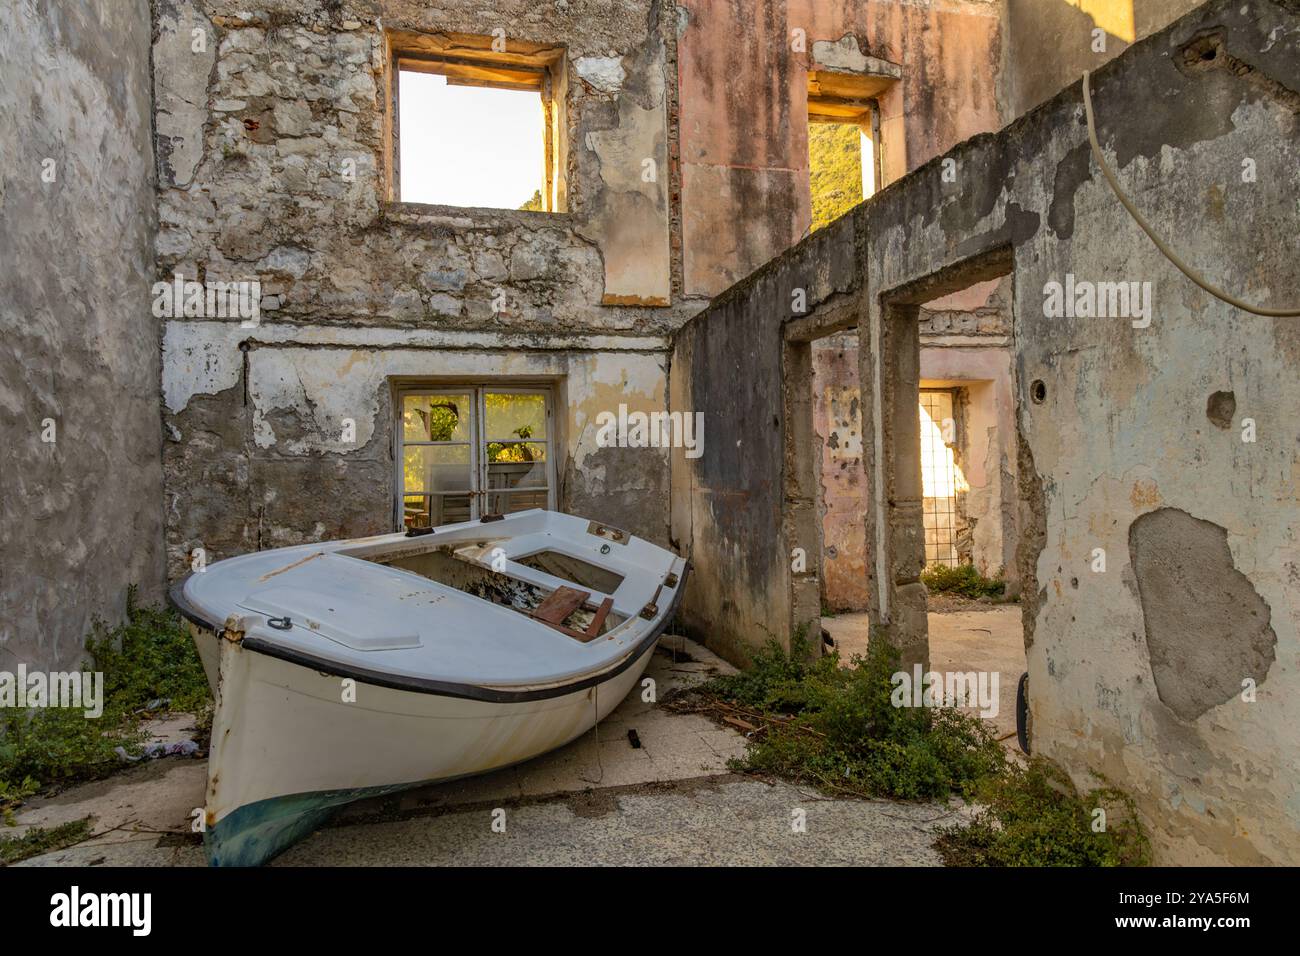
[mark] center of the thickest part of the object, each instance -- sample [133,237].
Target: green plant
[835,170]
[12,795]
[147,659]
[837,727]
[39,840]
[962,579]
[1034,816]
[59,746]
[814,721]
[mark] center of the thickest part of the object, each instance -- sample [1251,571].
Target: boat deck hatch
[585,616]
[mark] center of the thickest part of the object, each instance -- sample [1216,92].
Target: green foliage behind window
[835,170]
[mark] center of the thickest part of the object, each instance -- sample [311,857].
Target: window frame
[478,391]
[850,99]
[471,61]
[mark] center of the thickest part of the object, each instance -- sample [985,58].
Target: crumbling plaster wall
[729,507]
[80,517]
[837,423]
[1123,445]
[1051,42]
[744,109]
[256,128]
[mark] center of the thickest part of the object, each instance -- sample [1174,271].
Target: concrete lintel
[375,337]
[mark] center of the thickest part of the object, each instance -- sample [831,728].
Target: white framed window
[468,451]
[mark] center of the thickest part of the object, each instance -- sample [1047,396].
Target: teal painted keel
[256,832]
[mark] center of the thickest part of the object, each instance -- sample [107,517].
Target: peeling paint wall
[745,181]
[729,505]
[1136,503]
[837,422]
[257,123]
[81,515]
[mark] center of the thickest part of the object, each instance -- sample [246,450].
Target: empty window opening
[470,451]
[477,129]
[841,146]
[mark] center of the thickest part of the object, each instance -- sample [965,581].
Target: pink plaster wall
[744,119]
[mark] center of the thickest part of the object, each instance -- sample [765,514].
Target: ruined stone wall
[1153,658]
[1157,462]
[744,144]
[255,131]
[80,513]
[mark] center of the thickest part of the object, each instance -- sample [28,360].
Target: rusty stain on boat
[290,567]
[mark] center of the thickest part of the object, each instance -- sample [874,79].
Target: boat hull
[292,744]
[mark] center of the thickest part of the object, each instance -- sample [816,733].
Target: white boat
[355,668]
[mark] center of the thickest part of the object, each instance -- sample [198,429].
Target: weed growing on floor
[1034,816]
[814,721]
[836,727]
[39,840]
[12,795]
[147,660]
[964,580]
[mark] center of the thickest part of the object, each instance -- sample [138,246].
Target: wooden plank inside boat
[559,604]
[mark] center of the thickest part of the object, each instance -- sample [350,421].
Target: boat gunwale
[420,685]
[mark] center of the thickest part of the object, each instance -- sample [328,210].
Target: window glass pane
[415,511]
[436,417]
[430,511]
[503,502]
[515,416]
[516,465]
[449,509]
[434,468]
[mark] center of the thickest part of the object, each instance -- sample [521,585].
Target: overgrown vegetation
[815,721]
[836,727]
[150,657]
[149,664]
[962,579]
[39,840]
[1034,816]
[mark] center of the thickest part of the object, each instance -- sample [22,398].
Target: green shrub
[816,722]
[962,579]
[59,745]
[836,727]
[1034,816]
[147,658]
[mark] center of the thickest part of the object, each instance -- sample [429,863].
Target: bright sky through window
[469,145]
